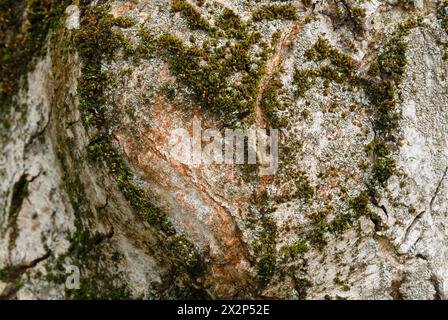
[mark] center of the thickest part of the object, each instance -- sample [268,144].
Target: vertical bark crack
[439,185]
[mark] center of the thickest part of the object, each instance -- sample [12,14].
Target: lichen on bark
[89,96]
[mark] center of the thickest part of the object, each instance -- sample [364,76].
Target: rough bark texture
[358,208]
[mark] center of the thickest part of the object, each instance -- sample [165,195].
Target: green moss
[85,249]
[276,37]
[345,287]
[193,17]
[442,13]
[5,273]
[390,66]
[91,290]
[297,249]
[392,61]
[147,45]
[384,165]
[96,280]
[84,252]
[265,249]
[387,71]
[271,100]
[317,236]
[301,285]
[259,220]
[374,69]
[360,204]
[341,223]
[357,14]
[445,55]
[124,22]
[344,12]
[304,79]
[337,280]
[100,149]
[21,39]
[322,51]
[232,24]
[321,227]
[307,3]
[301,188]
[304,190]
[208,71]
[340,67]
[97,41]
[343,284]
[275,12]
